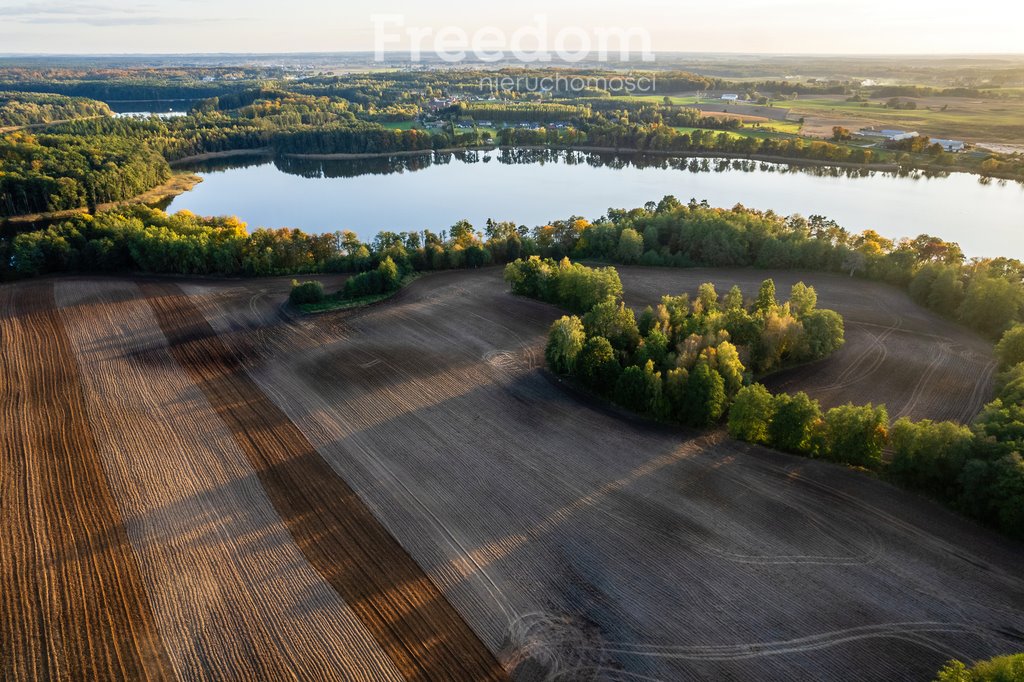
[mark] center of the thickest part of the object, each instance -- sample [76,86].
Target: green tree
[765,301]
[529,277]
[565,341]
[751,413]
[823,335]
[647,321]
[856,434]
[597,366]
[929,456]
[991,304]
[705,400]
[615,322]
[631,389]
[730,366]
[947,291]
[1008,494]
[651,237]
[1010,349]
[999,669]
[654,347]
[733,300]
[707,299]
[631,246]
[802,299]
[674,392]
[792,426]
[389,274]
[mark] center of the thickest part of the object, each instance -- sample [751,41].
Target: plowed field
[198,485]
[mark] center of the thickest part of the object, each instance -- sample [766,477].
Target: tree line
[976,469]
[683,361]
[142,239]
[986,295]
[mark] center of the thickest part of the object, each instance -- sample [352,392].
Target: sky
[747,26]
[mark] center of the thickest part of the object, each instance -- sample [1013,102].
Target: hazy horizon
[768,27]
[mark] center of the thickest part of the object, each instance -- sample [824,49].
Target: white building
[730,98]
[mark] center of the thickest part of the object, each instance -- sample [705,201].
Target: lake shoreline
[885,168]
[179,183]
[765,158]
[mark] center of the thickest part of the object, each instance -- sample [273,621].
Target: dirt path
[407,615]
[74,605]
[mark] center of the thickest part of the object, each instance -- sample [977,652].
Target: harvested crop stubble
[406,613]
[233,596]
[582,543]
[73,604]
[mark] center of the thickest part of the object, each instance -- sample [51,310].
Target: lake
[143,108]
[533,187]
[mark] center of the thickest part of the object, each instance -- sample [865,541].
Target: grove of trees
[683,361]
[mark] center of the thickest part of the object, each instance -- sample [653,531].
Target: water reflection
[532,186]
[314,168]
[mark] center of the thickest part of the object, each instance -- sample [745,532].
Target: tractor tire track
[406,613]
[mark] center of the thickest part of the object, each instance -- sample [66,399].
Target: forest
[22,109]
[257,108]
[54,172]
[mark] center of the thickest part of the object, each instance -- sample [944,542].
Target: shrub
[999,669]
[306,292]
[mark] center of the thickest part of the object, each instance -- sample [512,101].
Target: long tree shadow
[400,606]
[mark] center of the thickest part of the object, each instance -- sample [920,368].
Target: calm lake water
[143,108]
[532,188]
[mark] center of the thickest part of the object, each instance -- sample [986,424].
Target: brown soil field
[747,111]
[73,598]
[402,491]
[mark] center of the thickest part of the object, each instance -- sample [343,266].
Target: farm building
[730,98]
[949,145]
[895,135]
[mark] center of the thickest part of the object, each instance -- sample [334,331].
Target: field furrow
[407,615]
[580,542]
[232,593]
[74,604]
